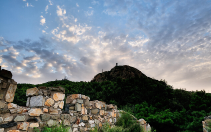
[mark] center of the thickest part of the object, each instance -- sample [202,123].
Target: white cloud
[42,21]
[50,2]
[89,13]
[28,4]
[77,5]
[60,11]
[95,2]
[24,0]
[76,19]
[46,8]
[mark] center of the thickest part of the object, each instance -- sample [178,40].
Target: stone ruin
[45,108]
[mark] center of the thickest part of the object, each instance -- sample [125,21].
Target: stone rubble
[45,107]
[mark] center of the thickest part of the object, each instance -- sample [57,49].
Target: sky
[45,40]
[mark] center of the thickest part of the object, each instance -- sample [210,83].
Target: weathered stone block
[32,91]
[65,116]
[1,95]
[49,102]
[1,129]
[10,118]
[13,131]
[73,119]
[11,93]
[76,96]
[53,111]
[33,119]
[20,118]
[97,105]
[35,112]
[8,125]
[51,123]
[11,106]
[80,101]
[28,101]
[61,104]
[56,105]
[1,120]
[85,117]
[95,111]
[4,85]
[2,104]
[81,124]
[66,122]
[34,125]
[78,107]
[36,101]
[58,96]
[55,117]
[72,108]
[102,112]
[45,117]
[23,126]
[45,110]
[83,110]
[4,110]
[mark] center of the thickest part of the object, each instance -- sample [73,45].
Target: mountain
[123,72]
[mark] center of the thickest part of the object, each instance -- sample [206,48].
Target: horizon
[44,40]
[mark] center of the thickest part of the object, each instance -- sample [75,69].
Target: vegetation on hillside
[164,108]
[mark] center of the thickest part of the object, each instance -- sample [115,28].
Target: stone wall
[205,123]
[44,107]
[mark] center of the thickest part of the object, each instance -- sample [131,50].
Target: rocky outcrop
[124,72]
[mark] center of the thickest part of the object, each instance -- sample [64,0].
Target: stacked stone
[88,114]
[205,123]
[7,92]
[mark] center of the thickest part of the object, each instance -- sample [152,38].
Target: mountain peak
[124,72]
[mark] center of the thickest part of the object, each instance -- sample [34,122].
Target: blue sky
[45,40]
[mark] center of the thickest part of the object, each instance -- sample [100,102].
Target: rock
[1,95]
[49,102]
[20,118]
[45,117]
[32,91]
[83,110]
[77,121]
[36,101]
[11,93]
[80,101]
[51,123]
[2,104]
[85,117]
[28,100]
[45,110]
[8,118]
[69,99]
[81,124]
[61,104]
[8,125]
[66,122]
[1,120]
[55,117]
[13,131]
[53,111]
[72,108]
[65,116]
[23,126]
[97,105]
[94,111]
[56,105]
[75,125]
[34,125]
[72,119]
[4,85]
[1,129]
[6,73]
[75,129]
[35,112]
[142,121]
[11,106]
[76,96]
[4,110]
[102,112]
[78,107]
[58,96]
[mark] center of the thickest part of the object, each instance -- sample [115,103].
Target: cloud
[95,2]
[46,8]
[50,2]
[42,21]
[77,5]
[28,5]
[24,0]
[89,13]
[60,11]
